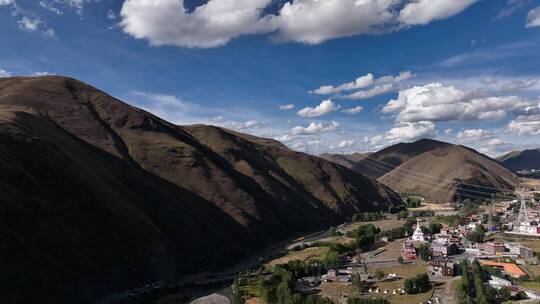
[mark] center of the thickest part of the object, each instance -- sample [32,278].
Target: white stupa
[418,235]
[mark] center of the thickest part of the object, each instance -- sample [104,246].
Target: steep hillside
[521,160]
[346,160]
[99,196]
[440,171]
[381,162]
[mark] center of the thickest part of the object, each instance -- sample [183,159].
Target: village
[418,255]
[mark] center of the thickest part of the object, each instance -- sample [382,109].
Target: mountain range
[99,196]
[440,171]
[522,160]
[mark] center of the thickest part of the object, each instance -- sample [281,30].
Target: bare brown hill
[346,160]
[99,196]
[440,171]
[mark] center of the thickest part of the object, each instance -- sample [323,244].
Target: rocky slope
[99,196]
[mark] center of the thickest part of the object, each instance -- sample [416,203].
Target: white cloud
[244,126]
[28,24]
[78,5]
[354,110]
[435,102]
[215,23]
[38,74]
[325,107]
[403,76]
[511,7]
[285,138]
[50,7]
[359,83]
[474,135]
[286,107]
[384,85]
[410,131]
[448,131]
[111,15]
[525,125]
[167,22]
[375,91]
[533,18]
[313,128]
[377,139]
[4,73]
[7,2]
[422,12]
[346,143]
[519,84]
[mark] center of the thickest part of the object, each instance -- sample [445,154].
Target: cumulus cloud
[346,143]
[422,12]
[244,126]
[377,139]
[375,91]
[285,138]
[382,85]
[215,23]
[28,24]
[474,135]
[435,102]
[533,18]
[525,125]
[354,110]
[286,107]
[325,107]
[39,74]
[410,131]
[4,73]
[358,83]
[7,2]
[448,131]
[314,128]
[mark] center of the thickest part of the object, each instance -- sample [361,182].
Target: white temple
[418,235]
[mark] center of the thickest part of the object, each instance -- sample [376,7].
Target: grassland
[302,255]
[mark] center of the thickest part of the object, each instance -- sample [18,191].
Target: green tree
[424,252]
[409,287]
[504,294]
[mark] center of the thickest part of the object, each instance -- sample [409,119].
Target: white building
[418,235]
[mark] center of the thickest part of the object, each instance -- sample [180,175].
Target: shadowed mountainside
[346,160]
[521,160]
[99,196]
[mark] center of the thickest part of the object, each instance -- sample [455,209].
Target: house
[519,250]
[408,252]
[441,267]
[443,249]
[492,248]
[510,268]
[331,275]
[499,283]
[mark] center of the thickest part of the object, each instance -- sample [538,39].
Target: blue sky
[364,74]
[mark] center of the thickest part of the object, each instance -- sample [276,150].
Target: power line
[391,167]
